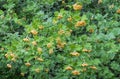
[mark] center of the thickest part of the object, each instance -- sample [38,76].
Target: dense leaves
[59,39]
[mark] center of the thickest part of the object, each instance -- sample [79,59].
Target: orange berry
[111,6]
[27,64]
[86,50]
[26,40]
[80,24]
[51,51]
[68,68]
[12,55]
[71,31]
[58,40]
[34,43]
[63,2]
[39,49]
[37,70]
[74,54]
[40,59]
[22,74]
[49,45]
[41,27]
[9,66]
[84,64]
[13,59]
[61,45]
[99,1]
[61,32]
[34,32]
[93,67]
[75,72]
[69,19]
[118,11]
[6,55]
[77,7]
[59,16]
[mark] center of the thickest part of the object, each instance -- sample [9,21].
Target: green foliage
[59,39]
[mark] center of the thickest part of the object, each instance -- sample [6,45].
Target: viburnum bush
[80,39]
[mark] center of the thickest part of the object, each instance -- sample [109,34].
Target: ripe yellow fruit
[80,24]
[77,7]
[34,43]
[51,51]
[118,11]
[39,49]
[111,6]
[59,16]
[49,45]
[34,32]
[61,32]
[86,50]
[26,40]
[91,30]
[40,59]
[75,72]
[69,19]
[61,45]
[93,67]
[41,27]
[27,64]
[12,55]
[63,2]
[6,55]
[22,74]
[99,1]
[68,68]
[37,70]
[9,66]
[74,54]
[13,59]
[71,31]
[84,64]
[58,40]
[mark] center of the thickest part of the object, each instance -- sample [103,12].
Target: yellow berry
[77,7]
[84,64]
[80,24]
[51,51]
[74,54]
[68,68]
[59,16]
[34,32]
[26,40]
[41,27]
[27,64]
[118,11]
[39,49]
[22,74]
[37,70]
[49,45]
[75,72]
[69,19]
[93,67]
[9,66]
[34,43]
[40,59]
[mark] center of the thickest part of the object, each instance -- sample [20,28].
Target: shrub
[77,42]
